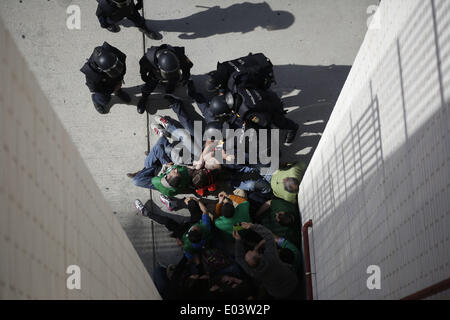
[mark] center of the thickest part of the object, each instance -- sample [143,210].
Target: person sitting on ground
[231,210]
[282,218]
[288,253]
[199,235]
[274,275]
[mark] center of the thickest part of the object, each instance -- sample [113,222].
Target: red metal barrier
[309,289]
[430,291]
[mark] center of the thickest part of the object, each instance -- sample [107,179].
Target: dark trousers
[177,228]
[131,14]
[281,122]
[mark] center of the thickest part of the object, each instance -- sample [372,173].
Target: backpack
[252,71]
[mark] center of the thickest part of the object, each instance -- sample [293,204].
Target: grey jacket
[276,276]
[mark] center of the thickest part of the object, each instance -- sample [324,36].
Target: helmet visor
[172,76]
[116,69]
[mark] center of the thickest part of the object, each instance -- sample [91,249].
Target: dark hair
[286,218]
[286,255]
[227,210]
[174,181]
[195,236]
[291,185]
[250,238]
[200,179]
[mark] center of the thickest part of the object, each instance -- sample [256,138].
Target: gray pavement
[301,37]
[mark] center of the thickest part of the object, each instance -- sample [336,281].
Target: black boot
[290,137]
[142,104]
[151,34]
[113,28]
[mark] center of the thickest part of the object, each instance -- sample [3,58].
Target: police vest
[253,107]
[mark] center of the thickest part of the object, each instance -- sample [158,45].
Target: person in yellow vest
[231,210]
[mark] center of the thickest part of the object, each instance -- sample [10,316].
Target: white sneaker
[139,206]
[162,121]
[170,204]
[158,130]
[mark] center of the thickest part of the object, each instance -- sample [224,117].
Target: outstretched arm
[263,208]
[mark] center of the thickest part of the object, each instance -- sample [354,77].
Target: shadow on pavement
[241,17]
[309,95]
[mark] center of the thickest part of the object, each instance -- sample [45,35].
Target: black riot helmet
[219,107]
[121,3]
[169,65]
[233,100]
[108,63]
[214,130]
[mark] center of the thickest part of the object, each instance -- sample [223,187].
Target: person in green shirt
[199,235]
[288,252]
[282,218]
[233,210]
[286,181]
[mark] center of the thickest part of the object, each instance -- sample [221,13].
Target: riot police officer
[165,65]
[111,12]
[104,72]
[253,108]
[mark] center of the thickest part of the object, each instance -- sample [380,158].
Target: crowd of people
[247,244]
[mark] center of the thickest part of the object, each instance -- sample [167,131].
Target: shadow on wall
[241,17]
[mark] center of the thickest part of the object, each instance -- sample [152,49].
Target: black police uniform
[150,71]
[101,84]
[260,109]
[109,14]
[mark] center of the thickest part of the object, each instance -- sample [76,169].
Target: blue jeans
[259,183]
[155,159]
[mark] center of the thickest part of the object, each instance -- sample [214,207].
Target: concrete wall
[52,212]
[377,188]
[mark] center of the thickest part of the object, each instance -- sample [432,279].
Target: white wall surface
[52,212]
[378,185]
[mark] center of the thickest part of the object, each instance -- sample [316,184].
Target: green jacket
[191,248]
[241,214]
[171,192]
[290,233]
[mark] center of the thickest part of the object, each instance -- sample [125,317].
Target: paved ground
[301,37]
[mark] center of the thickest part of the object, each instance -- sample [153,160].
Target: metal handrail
[308,274]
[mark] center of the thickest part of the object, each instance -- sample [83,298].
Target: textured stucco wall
[377,188]
[52,212]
